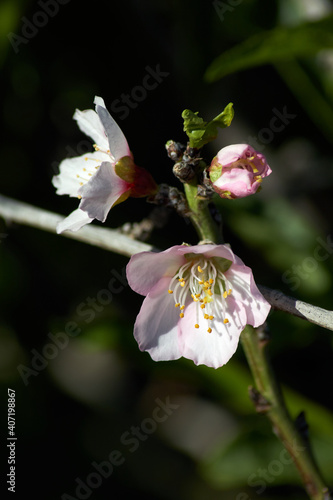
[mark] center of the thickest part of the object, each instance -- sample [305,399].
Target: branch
[298,308]
[108,239]
[111,239]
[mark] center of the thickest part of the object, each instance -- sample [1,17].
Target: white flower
[92,177]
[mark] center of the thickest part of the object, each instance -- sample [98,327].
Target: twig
[111,239]
[298,308]
[108,239]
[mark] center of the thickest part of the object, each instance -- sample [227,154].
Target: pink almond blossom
[198,300]
[103,178]
[237,171]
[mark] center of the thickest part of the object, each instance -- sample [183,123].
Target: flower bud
[237,171]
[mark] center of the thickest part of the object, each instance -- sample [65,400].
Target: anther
[209,330]
[196,325]
[225,321]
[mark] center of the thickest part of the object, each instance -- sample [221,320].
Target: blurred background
[83,388]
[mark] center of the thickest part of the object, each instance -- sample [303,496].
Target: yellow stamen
[225,321]
[181,315]
[209,330]
[170,291]
[196,325]
[200,270]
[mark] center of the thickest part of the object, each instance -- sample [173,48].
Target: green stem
[200,216]
[268,400]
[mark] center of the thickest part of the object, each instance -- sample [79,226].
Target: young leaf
[200,132]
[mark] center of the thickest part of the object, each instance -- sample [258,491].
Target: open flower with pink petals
[198,301]
[103,178]
[237,171]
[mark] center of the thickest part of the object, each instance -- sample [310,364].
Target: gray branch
[111,239]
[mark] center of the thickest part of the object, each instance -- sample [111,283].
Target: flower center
[202,281]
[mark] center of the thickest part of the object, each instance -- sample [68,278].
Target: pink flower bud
[237,171]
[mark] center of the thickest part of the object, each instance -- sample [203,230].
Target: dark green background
[75,411]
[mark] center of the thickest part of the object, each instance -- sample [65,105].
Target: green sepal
[200,132]
[125,169]
[220,262]
[215,171]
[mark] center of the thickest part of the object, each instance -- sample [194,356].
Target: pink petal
[117,141]
[156,326]
[208,251]
[234,152]
[101,192]
[74,221]
[216,348]
[145,269]
[245,290]
[238,181]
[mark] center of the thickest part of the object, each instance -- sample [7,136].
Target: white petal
[211,349]
[75,171]
[101,192]
[74,221]
[90,124]
[156,329]
[245,291]
[117,141]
